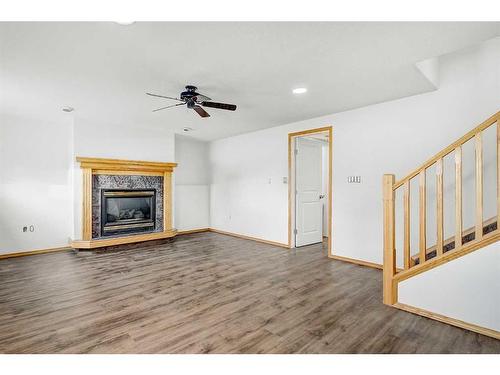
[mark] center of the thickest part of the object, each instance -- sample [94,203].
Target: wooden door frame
[291,137]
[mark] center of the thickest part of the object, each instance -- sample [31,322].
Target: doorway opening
[310,187]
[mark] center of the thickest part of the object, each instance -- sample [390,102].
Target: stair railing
[391,277]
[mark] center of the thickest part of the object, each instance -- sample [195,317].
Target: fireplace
[124,201]
[126,211]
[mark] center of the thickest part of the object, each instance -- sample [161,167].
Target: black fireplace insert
[127,211]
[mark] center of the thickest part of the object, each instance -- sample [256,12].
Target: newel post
[389,287]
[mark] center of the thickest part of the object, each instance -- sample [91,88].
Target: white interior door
[308,186]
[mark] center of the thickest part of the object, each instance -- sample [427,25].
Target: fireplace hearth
[125,211]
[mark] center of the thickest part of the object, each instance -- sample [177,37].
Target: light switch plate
[354,179]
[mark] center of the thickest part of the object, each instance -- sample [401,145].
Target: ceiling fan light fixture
[299,90]
[195,101]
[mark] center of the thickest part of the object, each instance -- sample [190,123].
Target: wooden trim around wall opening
[291,137]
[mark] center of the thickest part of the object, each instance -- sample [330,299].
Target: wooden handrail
[390,277]
[441,154]
[488,239]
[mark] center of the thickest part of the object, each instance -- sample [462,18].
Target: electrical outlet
[25,229]
[32,228]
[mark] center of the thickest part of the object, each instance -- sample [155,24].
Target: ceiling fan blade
[163,96]
[202,97]
[201,111]
[229,107]
[168,106]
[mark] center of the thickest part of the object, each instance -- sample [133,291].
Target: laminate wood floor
[209,293]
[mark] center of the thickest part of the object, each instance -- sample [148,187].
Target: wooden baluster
[406,240]
[439,207]
[479,187]
[389,286]
[422,218]
[498,174]
[458,197]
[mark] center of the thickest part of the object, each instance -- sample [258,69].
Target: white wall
[247,195]
[192,177]
[35,183]
[467,288]
[392,137]
[107,140]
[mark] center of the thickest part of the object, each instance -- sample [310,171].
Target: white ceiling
[104,69]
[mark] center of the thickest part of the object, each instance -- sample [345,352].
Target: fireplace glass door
[127,211]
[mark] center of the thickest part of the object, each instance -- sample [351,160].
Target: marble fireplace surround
[129,182]
[100,173]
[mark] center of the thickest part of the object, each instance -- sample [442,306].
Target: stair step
[465,239]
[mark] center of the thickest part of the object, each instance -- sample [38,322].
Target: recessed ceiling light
[299,90]
[68,109]
[125,23]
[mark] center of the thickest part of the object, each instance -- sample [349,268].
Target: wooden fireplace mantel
[105,165]
[92,166]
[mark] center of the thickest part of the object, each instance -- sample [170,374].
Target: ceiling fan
[194,100]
